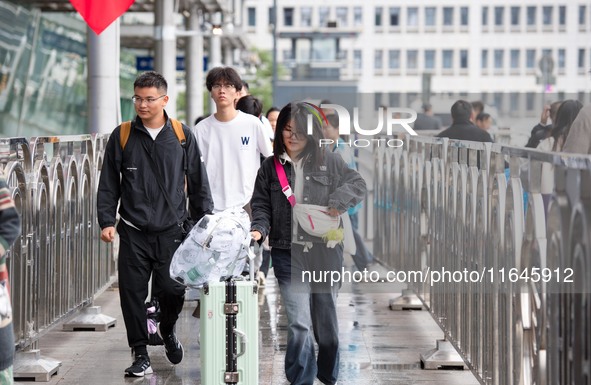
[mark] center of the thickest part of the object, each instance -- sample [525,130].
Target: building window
[378,17]
[394,59]
[412,59]
[531,16]
[394,16]
[499,58]
[499,13]
[412,18]
[448,16]
[271,16]
[287,55]
[561,59]
[484,16]
[252,17]
[430,13]
[582,15]
[581,58]
[378,56]
[357,59]
[514,101]
[515,13]
[547,15]
[530,100]
[562,15]
[464,58]
[357,16]
[306,16]
[515,59]
[288,17]
[464,16]
[323,14]
[530,58]
[484,59]
[429,59]
[341,16]
[447,58]
[394,99]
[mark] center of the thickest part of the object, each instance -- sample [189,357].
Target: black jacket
[334,185]
[465,131]
[128,177]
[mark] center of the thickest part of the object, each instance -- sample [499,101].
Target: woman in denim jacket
[316,177]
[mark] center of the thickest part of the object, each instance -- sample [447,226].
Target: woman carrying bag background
[315,177]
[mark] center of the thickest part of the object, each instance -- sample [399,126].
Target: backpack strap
[124,133]
[177,126]
[285,187]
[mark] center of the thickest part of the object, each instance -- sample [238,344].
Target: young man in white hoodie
[231,142]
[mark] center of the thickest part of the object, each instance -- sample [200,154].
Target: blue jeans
[311,313]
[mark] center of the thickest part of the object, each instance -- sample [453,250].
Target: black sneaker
[174,349]
[140,367]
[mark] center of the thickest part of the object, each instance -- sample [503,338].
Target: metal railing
[58,264]
[443,205]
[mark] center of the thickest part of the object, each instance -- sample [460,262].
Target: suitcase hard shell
[219,313]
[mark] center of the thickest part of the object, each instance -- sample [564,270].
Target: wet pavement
[378,346]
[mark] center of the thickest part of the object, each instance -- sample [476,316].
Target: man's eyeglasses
[137,100]
[226,87]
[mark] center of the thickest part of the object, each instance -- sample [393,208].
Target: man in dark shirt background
[462,127]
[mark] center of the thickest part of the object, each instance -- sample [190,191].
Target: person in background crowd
[578,140]
[477,108]
[426,120]
[272,115]
[253,106]
[484,121]
[544,127]
[462,128]
[149,229]
[199,118]
[317,177]
[231,142]
[10,229]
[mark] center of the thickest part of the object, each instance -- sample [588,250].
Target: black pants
[142,254]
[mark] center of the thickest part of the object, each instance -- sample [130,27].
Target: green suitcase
[229,332]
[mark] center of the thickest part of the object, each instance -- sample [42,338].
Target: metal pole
[165,58]
[274,80]
[194,68]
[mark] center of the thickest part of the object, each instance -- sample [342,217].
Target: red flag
[99,14]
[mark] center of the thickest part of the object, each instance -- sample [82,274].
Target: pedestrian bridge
[501,269]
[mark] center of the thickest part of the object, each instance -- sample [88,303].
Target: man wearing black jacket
[462,128]
[136,177]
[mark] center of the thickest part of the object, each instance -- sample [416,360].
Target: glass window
[531,16]
[252,17]
[394,59]
[306,16]
[394,16]
[287,54]
[378,17]
[464,16]
[499,13]
[484,59]
[430,59]
[448,16]
[463,58]
[412,18]
[323,14]
[562,15]
[515,58]
[378,56]
[582,14]
[484,16]
[357,16]
[547,15]
[514,101]
[530,99]
[341,16]
[515,11]
[561,58]
[271,16]
[357,59]
[530,59]
[412,59]
[581,58]
[447,55]
[499,58]
[430,13]
[288,17]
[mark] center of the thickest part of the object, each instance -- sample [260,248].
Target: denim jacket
[333,184]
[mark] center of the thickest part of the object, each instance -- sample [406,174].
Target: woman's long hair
[568,111]
[299,112]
